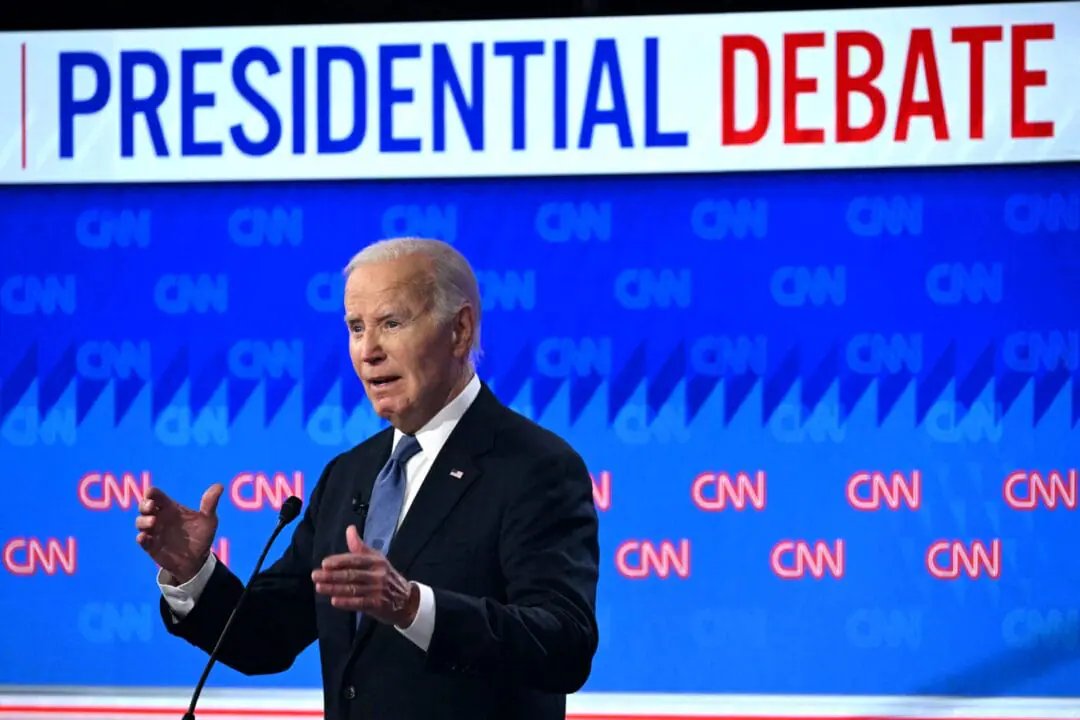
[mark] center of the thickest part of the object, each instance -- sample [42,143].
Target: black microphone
[360,508]
[290,509]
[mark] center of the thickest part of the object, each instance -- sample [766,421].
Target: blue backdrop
[804,325]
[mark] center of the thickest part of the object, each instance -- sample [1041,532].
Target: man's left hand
[363,580]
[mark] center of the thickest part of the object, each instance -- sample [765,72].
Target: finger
[155,496]
[145,522]
[352,539]
[355,604]
[346,590]
[210,499]
[364,559]
[347,576]
[145,541]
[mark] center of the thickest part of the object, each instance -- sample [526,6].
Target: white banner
[808,90]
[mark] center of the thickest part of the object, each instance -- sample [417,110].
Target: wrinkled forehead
[386,287]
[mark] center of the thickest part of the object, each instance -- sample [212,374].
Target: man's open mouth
[383,381]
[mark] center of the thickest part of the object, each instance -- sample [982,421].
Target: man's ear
[463,330]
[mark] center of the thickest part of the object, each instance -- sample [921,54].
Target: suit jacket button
[350,693]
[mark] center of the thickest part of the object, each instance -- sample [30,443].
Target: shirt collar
[435,433]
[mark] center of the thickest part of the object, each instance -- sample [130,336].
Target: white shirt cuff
[423,625]
[182,598]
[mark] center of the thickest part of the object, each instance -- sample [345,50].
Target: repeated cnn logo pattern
[824,414]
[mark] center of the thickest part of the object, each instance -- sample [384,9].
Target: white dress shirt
[182,598]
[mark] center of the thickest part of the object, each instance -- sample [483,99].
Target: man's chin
[388,411]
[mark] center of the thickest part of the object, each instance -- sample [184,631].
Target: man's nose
[370,348]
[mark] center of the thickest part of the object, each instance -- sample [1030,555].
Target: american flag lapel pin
[456,474]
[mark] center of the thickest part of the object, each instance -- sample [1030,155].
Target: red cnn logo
[264,491]
[973,561]
[893,492]
[221,549]
[601,490]
[1050,490]
[815,561]
[26,556]
[103,491]
[714,491]
[638,559]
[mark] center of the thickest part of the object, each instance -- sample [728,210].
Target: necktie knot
[406,448]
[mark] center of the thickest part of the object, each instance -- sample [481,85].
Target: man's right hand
[176,537]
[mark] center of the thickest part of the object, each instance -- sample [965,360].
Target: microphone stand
[289,510]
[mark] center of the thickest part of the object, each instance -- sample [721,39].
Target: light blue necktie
[387,497]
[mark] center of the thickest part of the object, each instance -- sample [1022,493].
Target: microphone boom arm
[289,510]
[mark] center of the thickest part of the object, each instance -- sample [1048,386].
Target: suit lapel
[438,495]
[451,474]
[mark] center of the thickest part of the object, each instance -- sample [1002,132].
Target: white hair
[455,284]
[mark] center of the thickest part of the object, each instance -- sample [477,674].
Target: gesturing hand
[176,537]
[363,580]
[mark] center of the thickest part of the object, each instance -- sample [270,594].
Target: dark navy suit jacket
[510,549]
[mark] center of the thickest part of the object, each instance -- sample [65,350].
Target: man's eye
[392,324]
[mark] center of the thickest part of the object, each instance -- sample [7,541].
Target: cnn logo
[31,556]
[1029,490]
[713,492]
[872,490]
[948,560]
[104,491]
[601,490]
[253,491]
[641,559]
[222,550]
[795,559]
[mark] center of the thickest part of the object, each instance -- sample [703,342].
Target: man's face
[409,363]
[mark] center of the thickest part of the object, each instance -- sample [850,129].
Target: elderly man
[447,565]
